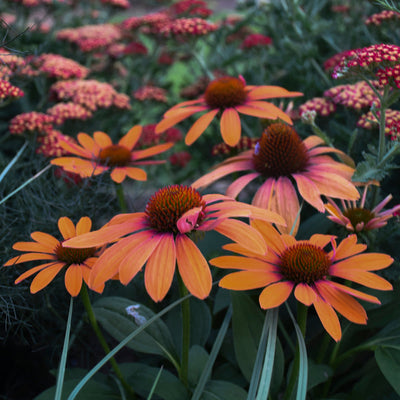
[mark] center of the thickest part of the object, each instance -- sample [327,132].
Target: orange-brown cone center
[304,263]
[167,205]
[115,156]
[280,152]
[74,256]
[225,92]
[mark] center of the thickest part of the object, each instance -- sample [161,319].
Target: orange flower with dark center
[77,262]
[280,152]
[161,238]
[115,156]
[227,97]
[315,275]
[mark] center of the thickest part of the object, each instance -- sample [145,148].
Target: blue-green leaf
[388,359]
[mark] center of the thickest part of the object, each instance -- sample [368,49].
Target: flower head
[161,237]
[255,40]
[312,272]
[99,154]
[284,161]
[9,91]
[227,96]
[320,105]
[68,110]
[77,263]
[49,144]
[30,123]
[383,16]
[151,92]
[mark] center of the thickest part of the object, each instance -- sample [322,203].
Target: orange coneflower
[229,97]
[284,161]
[98,154]
[76,262]
[303,266]
[161,237]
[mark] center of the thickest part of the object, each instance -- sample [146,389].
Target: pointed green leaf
[388,359]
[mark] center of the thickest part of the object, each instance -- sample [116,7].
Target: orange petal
[160,268]
[349,247]
[102,139]
[239,184]
[272,109]
[328,318]
[309,191]
[73,279]
[271,236]
[245,263]
[33,271]
[44,277]
[136,173]
[365,262]
[118,174]
[67,228]
[33,246]
[355,293]
[30,257]
[88,143]
[276,294]
[320,240]
[263,196]
[255,112]
[131,138]
[176,110]
[84,225]
[247,280]
[193,267]
[199,127]
[45,239]
[312,141]
[174,119]
[74,148]
[305,294]
[231,128]
[368,279]
[269,92]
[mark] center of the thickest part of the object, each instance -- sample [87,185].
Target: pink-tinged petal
[305,294]
[199,127]
[183,104]
[29,257]
[44,277]
[130,139]
[73,279]
[138,218]
[329,165]
[342,303]
[247,280]
[84,225]
[269,92]
[135,259]
[193,267]
[328,318]
[313,141]
[239,184]
[365,262]
[136,173]
[160,268]
[222,171]
[188,221]
[309,191]
[348,247]
[365,278]
[85,168]
[245,263]
[242,233]
[118,174]
[172,120]
[355,293]
[102,139]
[174,111]
[321,240]
[73,148]
[272,109]
[88,143]
[230,126]
[33,271]
[263,196]
[289,240]
[67,228]
[271,236]
[275,294]
[33,247]
[151,151]
[45,239]
[255,112]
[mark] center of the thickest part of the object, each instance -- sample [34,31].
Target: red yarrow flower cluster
[9,63]
[49,144]
[389,76]
[186,27]
[150,138]
[320,105]
[255,40]
[369,121]
[151,22]
[197,8]
[384,16]
[31,122]
[9,91]
[150,92]
[91,94]
[180,159]
[64,111]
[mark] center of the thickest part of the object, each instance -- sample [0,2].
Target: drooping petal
[33,271]
[118,174]
[313,141]
[136,173]
[29,257]
[177,110]
[160,268]
[193,267]
[73,279]
[199,127]
[275,294]
[67,228]
[44,277]
[102,139]
[239,184]
[151,151]
[309,191]
[263,196]
[305,294]
[231,128]
[255,112]
[84,225]
[328,318]
[247,280]
[365,278]
[130,139]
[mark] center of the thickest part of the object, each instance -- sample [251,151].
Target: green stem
[185,306]
[93,322]
[121,197]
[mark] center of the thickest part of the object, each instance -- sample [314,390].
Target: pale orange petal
[74,148]
[305,294]
[230,126]
[33,271]
[118,174]
[45,239]
[151,151]
[160,268]
[365,262]
[269,92]
[73,279]
[271,236]
[199,127]
[255,112]
[239,184]
[67,228]
[272,110]
[247,280]
[312,141]
[328,318]
[365,278]
[88,143]
[84,225]
[33,246]
[102,139]
[320,240]
[193,267]
[356,293]
[174,111]
[245,263]
[174,119]
[29,257]
[349,247]
[136,173]
[263,196]
[44,277]
[309,191]
[130,139]
[275,294]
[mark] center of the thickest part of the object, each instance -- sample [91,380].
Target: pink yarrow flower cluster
[150,138]
[8,91]
[187,27]
[49,144]
[31,122]
[383,16]
[69,110]
[369,121]
[151,92]
[321,105]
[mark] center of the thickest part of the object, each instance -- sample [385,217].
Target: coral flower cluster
[383,17]
[186,27]
[49,144]
[8,91]
[151,92]
[69,110]
[369,120]
[31,122]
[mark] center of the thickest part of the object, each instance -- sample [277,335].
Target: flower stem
[121,197]
[185,306]
[93,322]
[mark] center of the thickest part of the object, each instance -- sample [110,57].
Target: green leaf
[197,361]
[317,373]
[388,360]
[111,313]
[221,390]
[247,323]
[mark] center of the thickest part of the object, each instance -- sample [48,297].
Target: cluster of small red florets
[384,16]
[150,92]
[91,94]
[91,37]
[186,27]
[256,40]
[321,105]
[151,22]
[389,76]
[150,138]
[9,63]
[9,91]
[49,144]
[31,122]
[192,8]
[180,159]
[393,130]
[245,143]
[369,121]
[35,3]
[69,110]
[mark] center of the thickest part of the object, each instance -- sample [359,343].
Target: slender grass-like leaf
[213,355]
[268,367]
[13,161]
[63,361]
[155,384]
[121,345]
